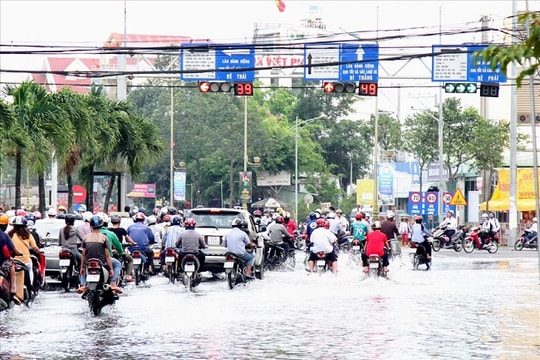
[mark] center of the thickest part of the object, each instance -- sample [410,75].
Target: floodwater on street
[469,306]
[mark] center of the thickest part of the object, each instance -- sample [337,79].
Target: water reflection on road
[476,307]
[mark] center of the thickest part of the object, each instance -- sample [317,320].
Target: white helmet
[51,212]
[151,220]
[390,215]
[87,216]
[534,219]
[484,216]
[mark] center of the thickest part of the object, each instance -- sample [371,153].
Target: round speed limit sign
[431,198]
[415,197]
[447,197]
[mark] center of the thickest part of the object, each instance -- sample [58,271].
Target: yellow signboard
[365,188]
[458,198]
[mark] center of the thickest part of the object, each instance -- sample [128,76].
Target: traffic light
[339,87]
[489,90]
[460,88]
[215,86]
[243,89]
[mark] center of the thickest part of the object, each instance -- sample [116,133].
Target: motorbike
[440,240]
[355,253]
[395,249]
[156,249]
[190,266]
[420,256]
[5,285]
[140,267]
[31,289]
[300,240]
[69,272]
[472,241]
[171,262]
[99,293]
[276,259]
[375,264]
[321,265]
[521,243]
[234,270]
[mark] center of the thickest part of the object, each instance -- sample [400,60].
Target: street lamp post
[221,188]
[296,124]
[172,149]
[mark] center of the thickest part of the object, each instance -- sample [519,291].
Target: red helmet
[190,223]
[358,216]
[139,216]
[257,213]
[327,224]
[321,222]
[167,218]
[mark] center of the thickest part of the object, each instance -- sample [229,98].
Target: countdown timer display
[367,89]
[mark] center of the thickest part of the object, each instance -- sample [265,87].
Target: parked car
[213,224]
[48,230]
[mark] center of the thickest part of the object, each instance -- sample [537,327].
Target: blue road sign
[459,63]
[219,62]
[359,62]
[341,61]
[426,203]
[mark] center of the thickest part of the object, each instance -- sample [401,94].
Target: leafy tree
[525,52]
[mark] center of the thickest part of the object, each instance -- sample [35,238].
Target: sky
[79,22]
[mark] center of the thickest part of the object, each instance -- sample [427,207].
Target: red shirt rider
[375,243]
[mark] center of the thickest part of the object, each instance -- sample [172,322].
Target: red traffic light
[339,87]
[213,86]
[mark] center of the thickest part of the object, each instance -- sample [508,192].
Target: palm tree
[40,121]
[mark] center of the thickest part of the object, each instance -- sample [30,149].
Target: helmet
[534,219]
[152,219]
[172,211]
[96,221]
[139,217]
[275,215]
[37,215]
[18,221]
[279,219]
[69,219]
[115,219]
[176,220]
[20,212]
[484,216]
[156,211]
[30,216]
[61,216]
[377,225]
[237,222]
[61,208]
[10,213]
[257,213]
[164,211]
[87,216]
[418,218]
[320,222]
[492,213]
[390,215]
[190,223]
[51,212]
[141,209]
[167,218]
[279,210]
[244,224]
[287,215]
[326,224]
[4,219]
[358,216]
[450,212]
[82,208]
[312,215]
[331,215]
[103,217]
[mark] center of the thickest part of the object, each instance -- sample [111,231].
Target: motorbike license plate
[228,265]
[137,261]
[92,278]
[64,262]
[189,268]
[156,262]
[321,262]
[169,259]
[374,265]
[356,247]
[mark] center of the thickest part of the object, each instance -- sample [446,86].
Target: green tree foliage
[525,52]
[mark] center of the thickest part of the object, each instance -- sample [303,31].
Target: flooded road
[469,306]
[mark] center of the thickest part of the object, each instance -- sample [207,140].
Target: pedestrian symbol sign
[458,198]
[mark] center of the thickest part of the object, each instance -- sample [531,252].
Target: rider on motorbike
[70,239]
[190,241]
[143,236]
[236,241]
[418,235]
[322,240]
[96,246]
[289,223]
[124,238]
[489,230]
[359,229]
[7,249]
[376,243]
[451,225]
[278,236]
[389,227]
[171,235]
[532,231]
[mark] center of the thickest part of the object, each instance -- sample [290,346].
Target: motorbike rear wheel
[231,278]
[93,302]
[188,283]
[170,273]
[66,279]
[468,246]
[518,246]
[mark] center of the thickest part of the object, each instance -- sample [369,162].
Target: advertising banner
[245,186]
[143,191]
[386,183]
[179,186]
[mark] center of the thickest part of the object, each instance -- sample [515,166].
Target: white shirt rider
[323,240]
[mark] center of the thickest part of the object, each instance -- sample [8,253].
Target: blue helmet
[176,220]
[312,216]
